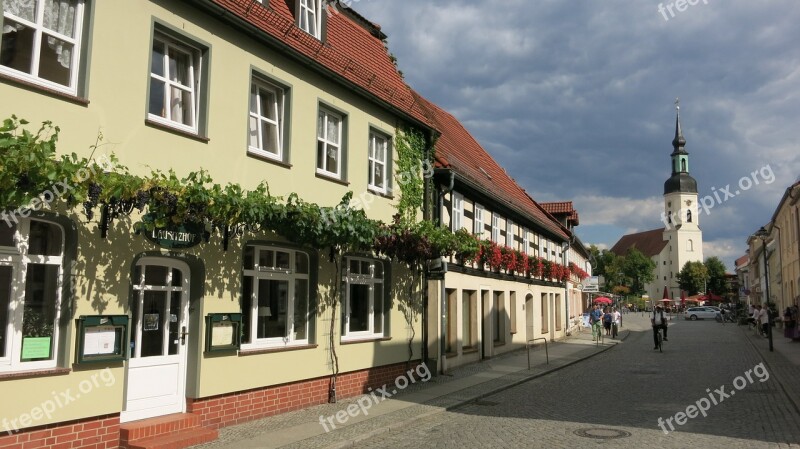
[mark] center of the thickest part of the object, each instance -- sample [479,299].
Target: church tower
[681,220]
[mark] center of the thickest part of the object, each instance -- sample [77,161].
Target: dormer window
[309,17]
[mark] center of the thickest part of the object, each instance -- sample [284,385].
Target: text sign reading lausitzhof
[177,237]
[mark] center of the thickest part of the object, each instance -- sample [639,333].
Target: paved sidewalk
[783,361]
[464,385]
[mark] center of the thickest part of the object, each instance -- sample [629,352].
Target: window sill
[364,340]
[246,352]
[332,179]
[386,195]
[35,373]
[469,350]
[175,131]
[268,159]
[45,90]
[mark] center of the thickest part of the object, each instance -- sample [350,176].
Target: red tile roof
[458,150]
[349,50]
[741,261]
[649,243]
[562,207]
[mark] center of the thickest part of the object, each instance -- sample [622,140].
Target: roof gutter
[225,15]
[482,190]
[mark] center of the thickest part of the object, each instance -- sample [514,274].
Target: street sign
[591,285]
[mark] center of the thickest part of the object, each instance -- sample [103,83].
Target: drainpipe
[564,248]
[443,294]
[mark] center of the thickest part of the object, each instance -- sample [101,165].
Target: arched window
[688,216]
[690,245]
[683,164]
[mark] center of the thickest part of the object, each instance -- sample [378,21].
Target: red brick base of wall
[99,432]
[242,406]
[102,432]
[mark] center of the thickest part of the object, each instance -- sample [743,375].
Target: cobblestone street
[629,389]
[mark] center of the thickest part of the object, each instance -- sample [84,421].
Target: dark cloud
[575,99]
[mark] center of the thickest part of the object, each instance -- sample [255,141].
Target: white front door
[156,373]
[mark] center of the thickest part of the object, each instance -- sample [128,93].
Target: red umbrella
[603,299]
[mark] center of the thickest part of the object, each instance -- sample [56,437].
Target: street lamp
[762,235]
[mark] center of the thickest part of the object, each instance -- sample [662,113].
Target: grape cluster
[195,212]
[88,209]
[142,198]
[171,202]
[94,193]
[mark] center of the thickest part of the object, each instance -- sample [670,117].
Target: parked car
[700,313]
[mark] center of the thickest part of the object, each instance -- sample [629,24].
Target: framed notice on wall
[222,331]
[102,338]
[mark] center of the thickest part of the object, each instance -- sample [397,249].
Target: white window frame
[276,274]
[329,144]
[364,279]
[195,75]
[18,259]
[478,225]
[510,233]
[310,14]
[457,212]
[376,139]
[495,227]
[260,121]
[526,243]
[40,33]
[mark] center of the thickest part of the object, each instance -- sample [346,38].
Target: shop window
[498,315]
[275,297]
[364,308]
[31,273]
[452,319]
[469,319]
[545,313]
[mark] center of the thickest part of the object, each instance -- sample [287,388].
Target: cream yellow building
[105,326]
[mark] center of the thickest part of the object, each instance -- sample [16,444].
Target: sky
[576,100]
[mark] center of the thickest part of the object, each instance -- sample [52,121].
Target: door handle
[183,335]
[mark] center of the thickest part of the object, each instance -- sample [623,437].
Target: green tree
[716,276]
[606,264]
[638,269]
[693,277]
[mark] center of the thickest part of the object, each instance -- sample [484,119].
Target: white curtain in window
[59,16]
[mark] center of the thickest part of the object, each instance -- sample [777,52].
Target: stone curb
[394,426]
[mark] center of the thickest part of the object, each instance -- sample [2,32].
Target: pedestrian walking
[607,319]
[595,319]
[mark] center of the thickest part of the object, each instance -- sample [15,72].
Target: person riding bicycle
[658,321]
[595,317]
